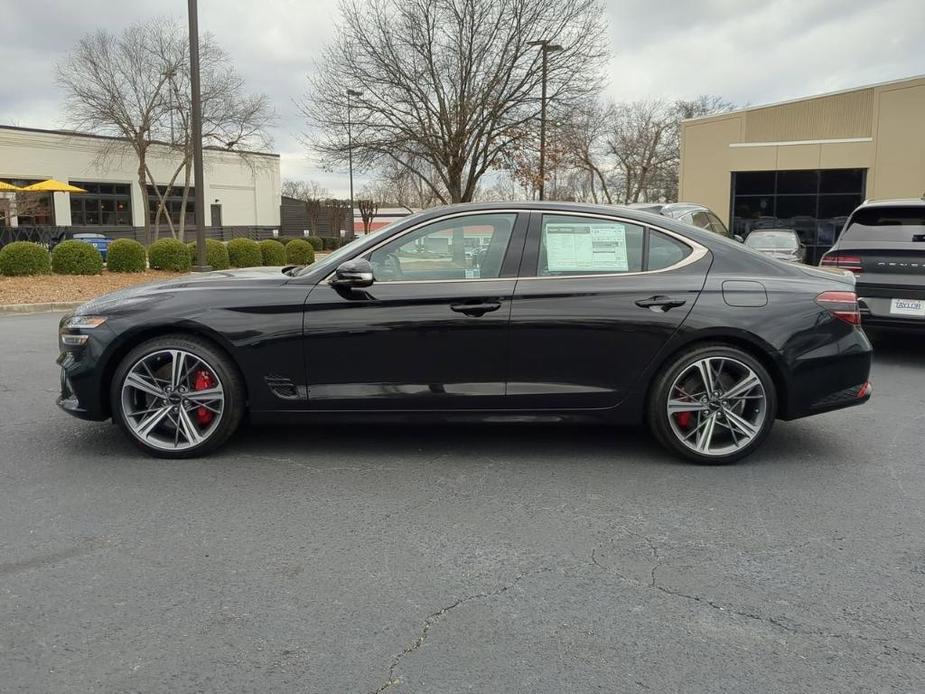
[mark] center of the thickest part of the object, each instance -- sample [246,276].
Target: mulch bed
[41,289]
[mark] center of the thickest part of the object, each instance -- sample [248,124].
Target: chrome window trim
[697,250]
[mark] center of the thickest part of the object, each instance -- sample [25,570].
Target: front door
[216,215]
[431,333]
[597,299]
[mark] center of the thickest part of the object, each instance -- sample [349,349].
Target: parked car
[100,242]
[689,213]
[574,312]
[783,244]
[883,244]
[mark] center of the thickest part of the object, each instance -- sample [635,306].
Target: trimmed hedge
[24,258]
[126,255]
[316,241]
[169,254]
[330,243]
[244,253]
[76,258]
[299,252]
[273,252]
[216,254]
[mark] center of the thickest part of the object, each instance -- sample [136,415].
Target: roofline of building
[774,104]
[74,133]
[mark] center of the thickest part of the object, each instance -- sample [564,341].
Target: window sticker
[594,247]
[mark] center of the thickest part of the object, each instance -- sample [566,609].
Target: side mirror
[353,273]
[739,238]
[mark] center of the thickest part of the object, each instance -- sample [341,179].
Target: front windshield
[348,249]
[777,240]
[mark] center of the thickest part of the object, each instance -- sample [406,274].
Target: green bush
[126,255]
[216,254]
[24,258]
[330,243]
[244,253]
[317,242]
[76,258]
[299,252]
[169,254]
[273,252]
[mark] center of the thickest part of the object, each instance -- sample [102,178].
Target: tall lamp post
[355,93]
[200,201]
[545,49]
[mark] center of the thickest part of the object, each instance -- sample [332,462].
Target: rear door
[597,298]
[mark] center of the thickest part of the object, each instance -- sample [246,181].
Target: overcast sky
[748,51]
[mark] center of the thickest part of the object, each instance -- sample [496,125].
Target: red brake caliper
[202,380]
[683,419]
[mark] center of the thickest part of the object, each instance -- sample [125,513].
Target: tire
[740,420]
[183,415]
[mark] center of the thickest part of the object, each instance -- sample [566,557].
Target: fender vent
[282,387]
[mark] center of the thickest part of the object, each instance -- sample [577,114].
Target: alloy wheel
[717,406]
[172,400]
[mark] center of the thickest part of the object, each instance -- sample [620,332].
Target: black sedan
[520,311]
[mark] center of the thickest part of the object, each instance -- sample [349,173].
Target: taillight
[851,263]
[842,305]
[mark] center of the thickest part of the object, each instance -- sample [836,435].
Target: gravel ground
[460,559]
[41,289]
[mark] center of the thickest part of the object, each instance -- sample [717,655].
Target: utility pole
[351,92]
[201,264]
[545,49]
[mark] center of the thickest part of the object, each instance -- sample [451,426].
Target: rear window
[899,224]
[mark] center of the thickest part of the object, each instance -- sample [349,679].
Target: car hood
[125,299]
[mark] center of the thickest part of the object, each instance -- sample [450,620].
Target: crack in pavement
[434,617]
[791,629]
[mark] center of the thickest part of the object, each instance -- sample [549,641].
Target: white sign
[592,247]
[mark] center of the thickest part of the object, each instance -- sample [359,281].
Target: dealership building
[242,189]
[806,164]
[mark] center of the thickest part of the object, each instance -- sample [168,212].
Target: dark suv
[883,244]
[687,212]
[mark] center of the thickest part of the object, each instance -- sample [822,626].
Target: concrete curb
[21,309]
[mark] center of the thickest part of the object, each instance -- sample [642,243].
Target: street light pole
[545,49]
[351,92]
[195,94]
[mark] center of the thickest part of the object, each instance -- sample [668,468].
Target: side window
[470,247]
[665,251]
[700,219]
[572,245]
[717,226]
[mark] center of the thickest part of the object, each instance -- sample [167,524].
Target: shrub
[244,253]
[330,243]
[169,254]
[24,258]
[76,258]
[299,252]
[273,252]
[216,254]
[126,255]
[316,241]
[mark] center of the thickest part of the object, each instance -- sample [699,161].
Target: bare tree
[452,83]
[135,85]
[368,207]
[115,85]
[303,190]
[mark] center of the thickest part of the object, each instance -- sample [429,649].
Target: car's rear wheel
[177,396]
[713,404]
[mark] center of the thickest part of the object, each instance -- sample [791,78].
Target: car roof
[904,202]
[772,231]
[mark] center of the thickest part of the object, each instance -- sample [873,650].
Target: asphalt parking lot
[451,559]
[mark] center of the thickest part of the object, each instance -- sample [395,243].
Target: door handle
[475,310]
[660,303]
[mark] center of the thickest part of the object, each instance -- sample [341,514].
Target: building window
[173,204]
[26,209]
[104,204]
[814,203]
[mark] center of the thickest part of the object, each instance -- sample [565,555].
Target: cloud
[748,51]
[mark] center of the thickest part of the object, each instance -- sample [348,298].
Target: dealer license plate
[908,307]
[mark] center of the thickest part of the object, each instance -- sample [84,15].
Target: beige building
[806,164]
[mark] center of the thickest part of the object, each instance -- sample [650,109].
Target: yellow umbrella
[8,187]
[52,186]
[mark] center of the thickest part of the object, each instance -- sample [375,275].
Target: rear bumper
[875,313]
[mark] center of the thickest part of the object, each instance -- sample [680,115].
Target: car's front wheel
[713,404]
[177,396]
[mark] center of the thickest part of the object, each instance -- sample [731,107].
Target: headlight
[83,322]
